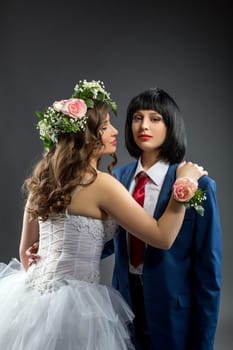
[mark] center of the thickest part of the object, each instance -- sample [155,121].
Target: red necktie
[137,247]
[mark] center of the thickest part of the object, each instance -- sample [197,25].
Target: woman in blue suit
[175,293]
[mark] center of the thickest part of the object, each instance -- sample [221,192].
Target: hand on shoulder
[190,169]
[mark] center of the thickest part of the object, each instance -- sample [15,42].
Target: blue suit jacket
[181,285]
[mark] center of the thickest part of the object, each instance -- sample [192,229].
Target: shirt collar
[156,172]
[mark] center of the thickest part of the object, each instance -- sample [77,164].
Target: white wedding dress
[58,304]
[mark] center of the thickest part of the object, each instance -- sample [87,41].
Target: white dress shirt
[153,187]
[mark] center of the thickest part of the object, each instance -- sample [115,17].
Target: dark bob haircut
[174,146]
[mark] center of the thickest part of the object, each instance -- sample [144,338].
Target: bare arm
[29,235]
[107,195]
[118,203]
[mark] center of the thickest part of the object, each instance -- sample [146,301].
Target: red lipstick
[144,137]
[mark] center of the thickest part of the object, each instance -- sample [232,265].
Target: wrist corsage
[185,189]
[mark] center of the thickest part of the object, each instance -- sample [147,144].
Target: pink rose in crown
[73,107]
[184,189]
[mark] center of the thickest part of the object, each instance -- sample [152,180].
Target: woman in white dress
[72,210]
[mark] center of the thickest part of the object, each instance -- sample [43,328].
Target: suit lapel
[128,174]
[165,192]
[163,199]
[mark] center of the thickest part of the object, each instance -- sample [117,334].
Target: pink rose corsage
[185,189]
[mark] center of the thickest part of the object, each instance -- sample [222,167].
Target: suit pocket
[184,301]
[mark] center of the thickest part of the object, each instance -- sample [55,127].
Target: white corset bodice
[70,248]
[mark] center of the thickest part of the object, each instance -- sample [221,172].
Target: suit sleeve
[108,249]
[207,269]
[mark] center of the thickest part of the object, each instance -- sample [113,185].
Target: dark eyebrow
[155,113]
[152,113]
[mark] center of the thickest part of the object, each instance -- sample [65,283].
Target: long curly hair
[63,168]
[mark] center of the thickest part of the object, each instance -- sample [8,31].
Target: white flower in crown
[93,86]
[93,90]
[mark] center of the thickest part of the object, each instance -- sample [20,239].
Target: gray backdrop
[183,47]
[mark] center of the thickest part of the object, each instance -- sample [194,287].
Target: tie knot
[142,178]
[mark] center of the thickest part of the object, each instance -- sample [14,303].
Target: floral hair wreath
[69,115]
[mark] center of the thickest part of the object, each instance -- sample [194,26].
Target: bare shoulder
[109,187]
[105,178]
[108,181]
[91,200]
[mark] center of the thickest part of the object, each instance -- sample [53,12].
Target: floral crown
[69,115]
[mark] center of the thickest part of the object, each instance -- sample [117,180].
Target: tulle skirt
[75,315]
